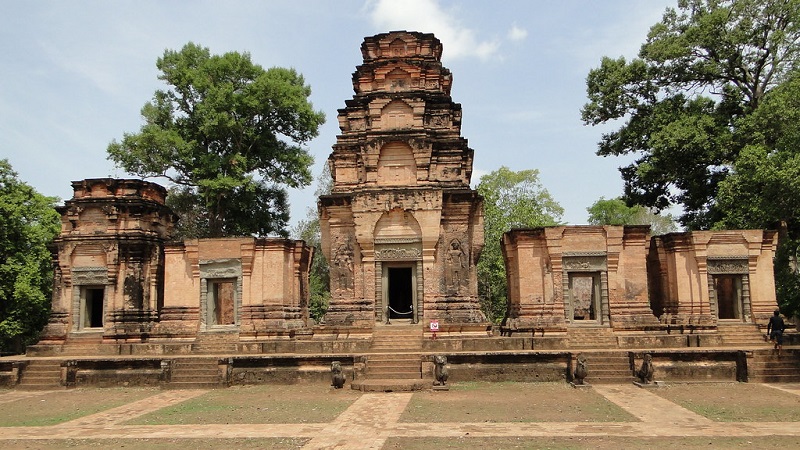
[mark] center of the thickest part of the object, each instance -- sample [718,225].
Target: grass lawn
[734,402]
[513,402]
[156,444]
[602,443]
[56,407]
[298,403]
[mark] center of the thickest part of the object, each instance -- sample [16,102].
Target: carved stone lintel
[89,275]
[728,266]
[589,263]
[396,253]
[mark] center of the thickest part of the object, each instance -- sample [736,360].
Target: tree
[229,134]
[616,212]
[28,222]
[703,68]
[319,274]
[763,191]
[511,200]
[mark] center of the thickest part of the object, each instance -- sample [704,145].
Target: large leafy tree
[616,212]
[229,134]
[763,190]
[707,65]
[28,222]
[511,200]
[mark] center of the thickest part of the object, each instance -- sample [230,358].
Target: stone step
[395,363]
[393,375]
[391,385]
[192,385]
[41,375]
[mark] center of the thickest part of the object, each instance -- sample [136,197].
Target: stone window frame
[220,270]
[586,262]
[87,278]
[729,265]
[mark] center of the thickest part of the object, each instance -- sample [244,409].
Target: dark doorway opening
[729,296]
[401,293]
[93,304]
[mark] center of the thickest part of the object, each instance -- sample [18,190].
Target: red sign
[434,325]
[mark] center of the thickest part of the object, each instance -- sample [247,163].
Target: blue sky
[75,75]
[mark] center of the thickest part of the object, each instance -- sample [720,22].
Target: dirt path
[370,419]
[648,407]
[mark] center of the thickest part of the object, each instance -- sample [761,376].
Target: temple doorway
[400,292]
[584,297]
[728,290]
[92,300]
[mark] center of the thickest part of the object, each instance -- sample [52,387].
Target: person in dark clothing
[775,329]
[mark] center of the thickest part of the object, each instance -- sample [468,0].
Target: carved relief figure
[343,266]
[456,266]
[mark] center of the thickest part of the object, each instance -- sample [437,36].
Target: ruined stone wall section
[541,263]
[109,258]
[692,259]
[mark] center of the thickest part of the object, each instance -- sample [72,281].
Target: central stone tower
[401,229]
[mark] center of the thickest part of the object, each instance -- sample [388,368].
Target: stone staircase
[394,362]
[741,335]
[195,373]
[41,375]
[767,367]
[608,367]
[591,338]
[216,343]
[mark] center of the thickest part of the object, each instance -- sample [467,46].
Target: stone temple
[402,229]
[402,232]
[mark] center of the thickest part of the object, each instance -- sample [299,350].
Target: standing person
[775,330]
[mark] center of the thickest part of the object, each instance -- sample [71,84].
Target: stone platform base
[652,385]
[391,385]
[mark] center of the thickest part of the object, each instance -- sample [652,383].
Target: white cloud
[516,33]
[427,16]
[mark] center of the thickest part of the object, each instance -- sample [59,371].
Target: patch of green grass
[57,407]
[156,444]
[256,404]
[734,402]
[601,443]
[513,402]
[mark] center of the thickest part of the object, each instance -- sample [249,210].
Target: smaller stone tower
[110,262]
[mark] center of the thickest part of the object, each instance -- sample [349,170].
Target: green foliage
[230,135]
[511,200]
[28,222]
[764,189]
[703,68]
[787,279]
[616,212]
[319,276]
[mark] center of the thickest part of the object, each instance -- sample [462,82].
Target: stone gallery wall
[119,281]
[620,277]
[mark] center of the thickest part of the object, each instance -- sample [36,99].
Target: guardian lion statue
[337,377]
[581,369]
[440,370]
[645,372]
